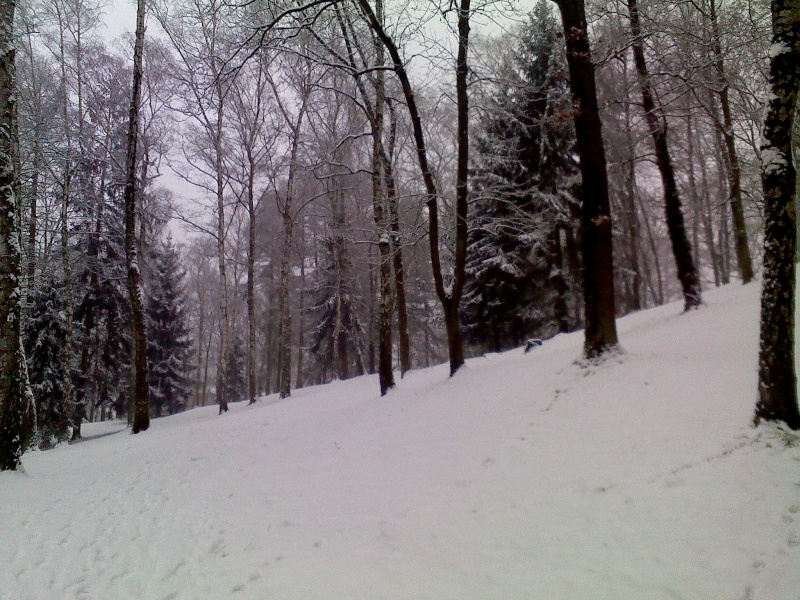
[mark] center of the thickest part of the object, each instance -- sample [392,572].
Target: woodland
[248,198]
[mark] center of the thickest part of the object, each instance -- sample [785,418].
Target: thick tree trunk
[598,263]
[656,122]
[140,393]
[777,379]
[735,173]
[17,410]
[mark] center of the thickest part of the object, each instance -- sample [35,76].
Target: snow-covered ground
[527,476]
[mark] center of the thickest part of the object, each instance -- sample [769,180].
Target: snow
[526,476]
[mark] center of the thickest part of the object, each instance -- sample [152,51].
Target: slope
[524,477]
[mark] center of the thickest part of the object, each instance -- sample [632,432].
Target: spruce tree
[44,334]
[169,341]
[524,193]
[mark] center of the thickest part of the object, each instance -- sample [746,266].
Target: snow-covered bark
[17,412]
[777,380]
[140,393]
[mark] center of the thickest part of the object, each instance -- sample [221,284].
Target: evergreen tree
[169,342]
[44,335]
[235,363]
[336,340]
[524,206]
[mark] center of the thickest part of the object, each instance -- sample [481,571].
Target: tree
[450,293]
[600,333]
[17,410]
[657,123]
[140,393]
[777,379]
[169,342]
[524,191]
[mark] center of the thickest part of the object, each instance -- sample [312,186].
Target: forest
[249,198]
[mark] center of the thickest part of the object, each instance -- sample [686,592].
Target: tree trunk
[449,298]
[251,297]
[224,325]
[285,344]
[17,409]
[140,393]
[385,374]
[404,340]
[657,123]
[600,333]
[777,380]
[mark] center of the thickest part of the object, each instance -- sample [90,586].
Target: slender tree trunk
[404,340]
[449,298]
[285,372]
[598,263]
[735,175]
[140,393]
[251,296]
[224,325]
[17,409]
[631,216]
[777,379]
[67,352]
[299,380]
[657,123]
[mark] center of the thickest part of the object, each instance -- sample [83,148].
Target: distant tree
[336,338]
[657,124]
[524,191]
[168,336]
[777,379]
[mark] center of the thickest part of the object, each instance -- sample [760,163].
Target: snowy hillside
[524,477]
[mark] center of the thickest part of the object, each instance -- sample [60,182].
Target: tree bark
[777,379]
[385,373]
[140,393]
[17,409]
[657,123]
[600,332]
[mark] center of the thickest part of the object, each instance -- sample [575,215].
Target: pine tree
[336,340]
[235,363]
[524,197]
[45,332]
[169,341]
